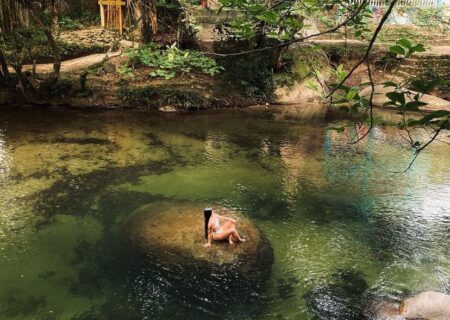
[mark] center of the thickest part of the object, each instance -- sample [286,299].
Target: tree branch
[419,150]
[287,43]
[369,48]
[372,84]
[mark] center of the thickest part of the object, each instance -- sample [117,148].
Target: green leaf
[414,105]
[429,118]
[351,94]
[396,97]
[268,16]
[418,48]
[424,86]
[397,50]
[405,43]
[390,84]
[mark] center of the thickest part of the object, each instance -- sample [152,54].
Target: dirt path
[73,65]
[434,50]
[81,63]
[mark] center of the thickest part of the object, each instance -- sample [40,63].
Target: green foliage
[391,34]
[283,20]
[348,98]
[440,118]
[172,61]
[61,88]
[170,4]
[79,21]
[252,75]
[32,45]
[90,18]
[434,17]
[300,64]
[80,15]
[68,51]
[360,23]
[126,71]
[405,48]
[155,96]
[67,23]
[409,99]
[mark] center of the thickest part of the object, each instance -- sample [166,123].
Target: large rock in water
[171,237]
[428,305]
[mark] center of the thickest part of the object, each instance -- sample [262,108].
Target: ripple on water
[344,229]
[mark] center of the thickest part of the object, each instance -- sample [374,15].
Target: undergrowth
[156,97]
[170,62]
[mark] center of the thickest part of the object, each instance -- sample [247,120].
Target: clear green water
[341,224]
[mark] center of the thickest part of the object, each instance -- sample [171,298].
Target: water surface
[344,226]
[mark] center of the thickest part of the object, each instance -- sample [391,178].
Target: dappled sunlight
[218,148]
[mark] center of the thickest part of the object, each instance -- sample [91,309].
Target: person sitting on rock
[215,231]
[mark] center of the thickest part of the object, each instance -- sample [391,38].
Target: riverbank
[106,80]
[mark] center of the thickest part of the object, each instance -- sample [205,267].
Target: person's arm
[208,244]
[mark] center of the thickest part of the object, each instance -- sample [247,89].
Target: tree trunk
[4,65]
[277,62]
[146,20]
[12,15]
[56,52]
[50,32]
[154,16]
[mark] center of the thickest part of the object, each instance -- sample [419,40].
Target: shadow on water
[342,299]
[151,288]
[200,293]
[77,194]
[19,304]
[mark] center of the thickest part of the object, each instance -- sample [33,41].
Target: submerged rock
[342,299]
[170,237]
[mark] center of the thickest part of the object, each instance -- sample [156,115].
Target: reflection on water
[345,230]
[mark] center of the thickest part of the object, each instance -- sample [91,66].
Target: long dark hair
[207,213]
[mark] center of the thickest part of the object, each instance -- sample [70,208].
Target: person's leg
[236,237]
[229,235]
[228,225]
[224,235]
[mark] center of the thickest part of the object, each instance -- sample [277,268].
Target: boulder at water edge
[379,98]
[426,305]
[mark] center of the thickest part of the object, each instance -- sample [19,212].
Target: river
[344,224]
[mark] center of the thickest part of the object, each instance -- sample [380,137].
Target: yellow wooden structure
[111,14]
